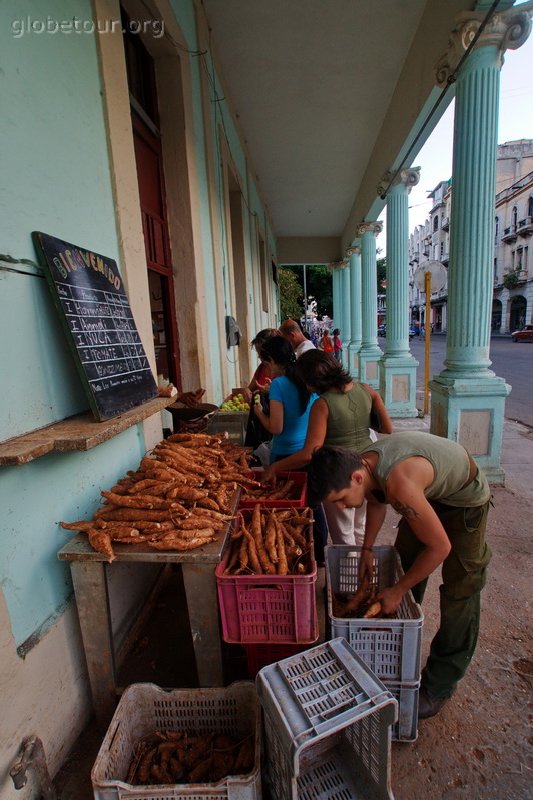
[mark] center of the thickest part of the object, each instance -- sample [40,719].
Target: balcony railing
[445,224]
[509,234]
[525,226]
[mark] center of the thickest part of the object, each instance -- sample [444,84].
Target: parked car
[382,330]
[524,335]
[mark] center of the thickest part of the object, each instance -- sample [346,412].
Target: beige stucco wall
[46,694]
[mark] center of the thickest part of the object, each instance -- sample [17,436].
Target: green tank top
[348,418]
[449,460]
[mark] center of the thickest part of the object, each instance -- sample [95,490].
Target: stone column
[369,354]
[337,310]
[398,367]
[354,255]
[467,398]
[346,322]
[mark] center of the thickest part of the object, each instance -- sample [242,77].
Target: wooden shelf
[81,432]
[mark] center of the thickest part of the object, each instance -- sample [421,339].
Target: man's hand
[366,566]
[390,599]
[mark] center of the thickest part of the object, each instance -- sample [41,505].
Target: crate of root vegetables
[181,743]
[266,579]
[181,497]
[290,491]
[389,645]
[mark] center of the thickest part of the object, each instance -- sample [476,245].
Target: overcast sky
[515,122]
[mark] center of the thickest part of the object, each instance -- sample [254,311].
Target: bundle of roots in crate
[362,604]
[177,757]
[285,489]
[177,499]
[271,542]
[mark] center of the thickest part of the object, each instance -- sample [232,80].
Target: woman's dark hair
[322,371]
[278,349]
[262,336]
[337,332]
[330,470]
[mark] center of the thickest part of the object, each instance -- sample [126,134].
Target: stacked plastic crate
[391,647]
[272,616]
[327,722]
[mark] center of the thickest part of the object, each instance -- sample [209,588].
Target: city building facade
[513,226]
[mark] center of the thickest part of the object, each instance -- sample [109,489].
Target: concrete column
[468,399]
[398,367]
[346,322]
[337,310]
[369,354]
[354,255]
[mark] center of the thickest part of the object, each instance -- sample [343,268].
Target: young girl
[326,342]
[290,400]
[337,344]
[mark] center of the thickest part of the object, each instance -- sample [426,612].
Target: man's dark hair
[322,371]
[330,470]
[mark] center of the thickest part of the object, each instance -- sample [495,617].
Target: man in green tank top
[443,499]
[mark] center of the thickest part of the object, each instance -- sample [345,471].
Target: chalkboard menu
[89,294]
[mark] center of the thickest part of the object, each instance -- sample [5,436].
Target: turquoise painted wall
[55,178]
[220,119]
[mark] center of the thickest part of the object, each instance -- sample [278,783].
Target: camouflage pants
[463,577]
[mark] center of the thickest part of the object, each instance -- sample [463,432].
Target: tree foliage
[290,293]
[319,287]
[382,275]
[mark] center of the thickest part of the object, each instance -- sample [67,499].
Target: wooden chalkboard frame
[95,314]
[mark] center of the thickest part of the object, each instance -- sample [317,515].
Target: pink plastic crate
[262,655]
[258,609]
[299,499]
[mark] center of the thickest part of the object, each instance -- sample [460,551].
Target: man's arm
[375,517]
[405,489]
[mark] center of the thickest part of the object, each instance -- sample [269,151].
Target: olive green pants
[463,577]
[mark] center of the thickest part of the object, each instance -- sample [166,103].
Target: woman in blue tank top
[290,400]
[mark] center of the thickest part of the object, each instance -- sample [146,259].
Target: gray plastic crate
[406,695]
[145,708]
[327,726]
[391,647]
[233,423]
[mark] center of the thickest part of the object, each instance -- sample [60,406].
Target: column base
[471,411]
[369,360]
[398,385]
[353,360]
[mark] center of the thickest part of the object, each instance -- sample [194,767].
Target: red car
[525,335]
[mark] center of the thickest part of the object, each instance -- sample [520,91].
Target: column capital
[369,227]
[506,30]
[405,177]
[333,265]
[355,250]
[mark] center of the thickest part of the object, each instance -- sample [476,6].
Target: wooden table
[90,572]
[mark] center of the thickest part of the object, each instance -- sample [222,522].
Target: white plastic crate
[145,708]
[391,647]
[327,726]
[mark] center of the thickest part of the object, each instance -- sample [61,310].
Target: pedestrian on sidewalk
[337,344]
[443,499]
